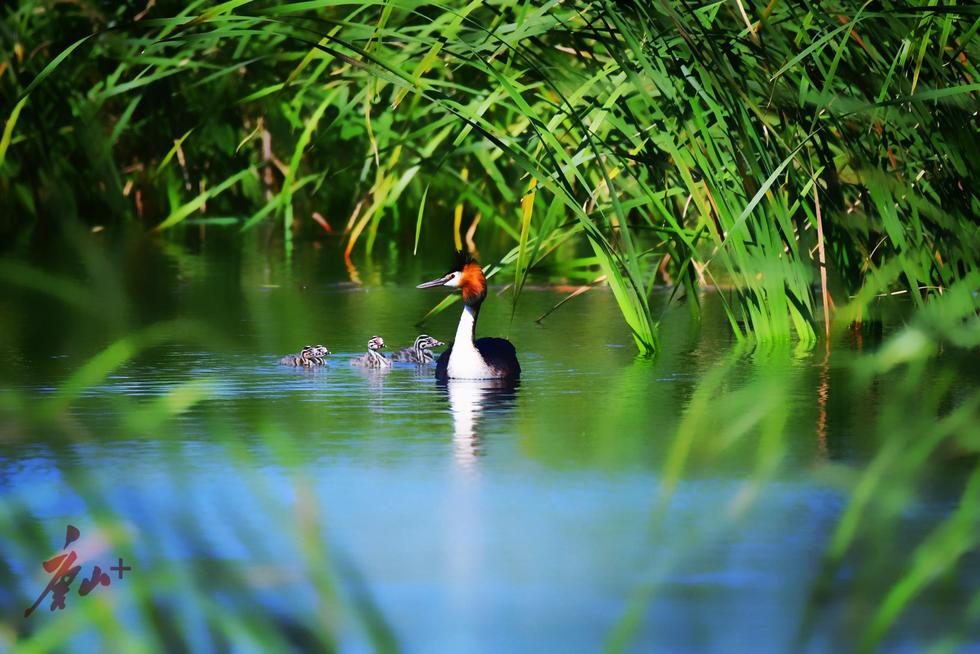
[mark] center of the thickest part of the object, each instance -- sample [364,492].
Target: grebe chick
[373,358]
[486,358]
[309,356]
[419,352]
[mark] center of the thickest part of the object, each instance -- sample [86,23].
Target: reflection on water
[466,538]
[468,399]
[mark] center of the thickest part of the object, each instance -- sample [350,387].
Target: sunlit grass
[689,145]
[720,146]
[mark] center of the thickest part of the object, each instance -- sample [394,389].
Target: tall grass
[713,145]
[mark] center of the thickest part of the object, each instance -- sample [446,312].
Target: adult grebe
[487,358]
[373,358]
[311,355]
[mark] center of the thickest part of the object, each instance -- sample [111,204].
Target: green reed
[716,145]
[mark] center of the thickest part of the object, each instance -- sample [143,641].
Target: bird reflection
[468,399]
[375,379]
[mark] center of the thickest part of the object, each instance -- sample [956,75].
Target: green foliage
[664,142]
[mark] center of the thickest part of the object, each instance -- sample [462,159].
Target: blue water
[462,518]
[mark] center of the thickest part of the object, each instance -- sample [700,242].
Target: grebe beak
[436,282]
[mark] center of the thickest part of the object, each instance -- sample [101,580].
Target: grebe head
[376,343]
[468,277]
[426,342]
[311,351]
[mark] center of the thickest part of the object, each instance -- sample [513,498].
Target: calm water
[472,518]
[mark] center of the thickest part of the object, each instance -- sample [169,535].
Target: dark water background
[468,517]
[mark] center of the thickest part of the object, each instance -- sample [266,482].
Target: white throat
[465,361]
[466,328]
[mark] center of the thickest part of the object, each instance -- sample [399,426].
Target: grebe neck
[465,360]
[467,327]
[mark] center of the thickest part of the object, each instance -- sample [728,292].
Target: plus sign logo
[120,568]
[63,572]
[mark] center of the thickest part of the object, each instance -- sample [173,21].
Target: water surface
[463,516]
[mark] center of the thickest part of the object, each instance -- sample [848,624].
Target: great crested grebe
[309,356]
[419,352]
[373,358]
[487,358]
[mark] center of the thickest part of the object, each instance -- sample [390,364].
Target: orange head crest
[468,277]
[473,284]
